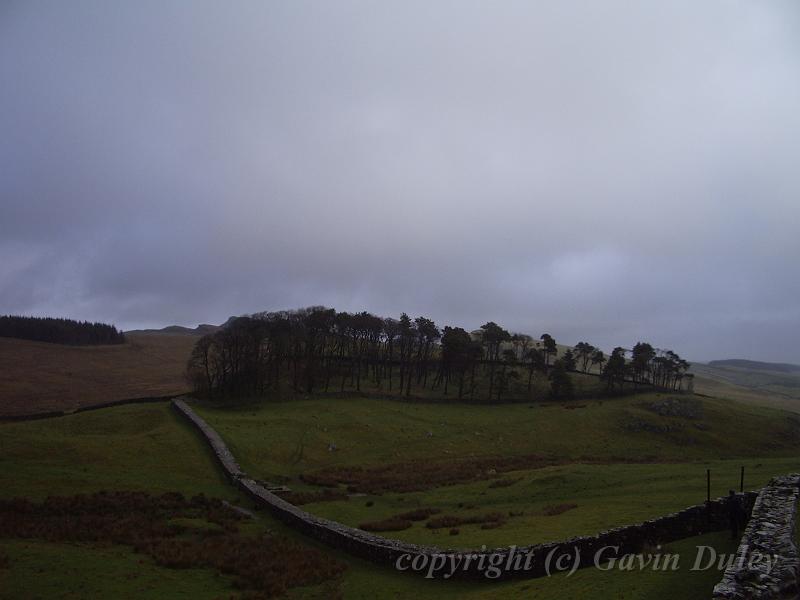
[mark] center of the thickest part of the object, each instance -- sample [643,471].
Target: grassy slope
[80,571]
[38,377]
[755,386]
[146,447]
[288,439]
[46,570]
[606,496]
[584,584]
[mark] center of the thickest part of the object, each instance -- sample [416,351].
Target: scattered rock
[687,408]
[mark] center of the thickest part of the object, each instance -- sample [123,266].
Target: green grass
[41,569]
[44,570]
[606,495]
[289,438]
[780,383]
[147,447]
[135,447]
[284,440]
[755,386]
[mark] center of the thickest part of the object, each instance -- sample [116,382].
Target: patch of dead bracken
[262,566]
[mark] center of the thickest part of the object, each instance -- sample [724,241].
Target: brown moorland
[40,377]
[176,532]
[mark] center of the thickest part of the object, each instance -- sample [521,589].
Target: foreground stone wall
[580,551]
[766,564]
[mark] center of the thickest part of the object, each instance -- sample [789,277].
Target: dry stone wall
[539,560]
[766,564]
[80,409]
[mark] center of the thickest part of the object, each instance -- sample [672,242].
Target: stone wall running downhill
[692,521]
[80,409]
[770,533]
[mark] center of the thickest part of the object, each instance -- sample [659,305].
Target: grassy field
[82,571]
[47,570]
[40,377]
[599,497]
[135,447]
[146,447]
[563,469]
[755,386]
[288,438]
[620,462]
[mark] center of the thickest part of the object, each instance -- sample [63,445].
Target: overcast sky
[607,171]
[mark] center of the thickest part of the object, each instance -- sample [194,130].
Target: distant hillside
[756,365]
[179,330]
[40,377]
[772,384]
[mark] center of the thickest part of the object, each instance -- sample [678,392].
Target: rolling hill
[755,365]
[177,330]
[768,384]
[39,377]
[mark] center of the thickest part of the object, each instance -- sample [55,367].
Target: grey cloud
[608,171]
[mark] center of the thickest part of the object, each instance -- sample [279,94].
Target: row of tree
[59,331]
[647,365]
[321,349]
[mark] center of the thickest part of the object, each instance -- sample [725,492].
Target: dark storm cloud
[610,171]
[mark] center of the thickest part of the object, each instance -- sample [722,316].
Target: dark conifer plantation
[318,349]
[60,331]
